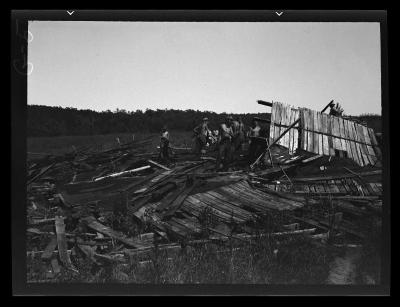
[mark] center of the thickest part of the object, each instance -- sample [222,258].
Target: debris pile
[112,205]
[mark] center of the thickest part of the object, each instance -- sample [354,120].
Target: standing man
[238,132]
[201,133]
[164,144]
[225,144]
[255,143]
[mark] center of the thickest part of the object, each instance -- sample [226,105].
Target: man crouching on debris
[201,132]
[164,144]
[225,144]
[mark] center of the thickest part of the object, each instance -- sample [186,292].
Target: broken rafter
[159,165]
[124,172]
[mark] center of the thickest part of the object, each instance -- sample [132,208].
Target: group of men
[229,139]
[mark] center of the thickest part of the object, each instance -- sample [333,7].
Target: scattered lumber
[97,226]
[172,202]
[174,206]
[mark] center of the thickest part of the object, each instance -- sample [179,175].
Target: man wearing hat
[201,133]
[225,144]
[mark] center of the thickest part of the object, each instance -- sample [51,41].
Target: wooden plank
[319,188]
[283,122]
[339,140]
[48,252]
[196,204]
[97,226]
[359,146]
[229,199]
[311,134]
[352,186]
[180,199]
[278,120]
[320,136]
[296,131]
[303,132]
[62,241]
[185,226]
[255,203]
[376,148]
[354,151]
[345,186]
[158,165]
[338,144]
[223,203]
[348,143]
[315,128]
[333,187]
[291,200]
[330,138]
[334,133]
[374,188]
[364,149]
[224,206]
[340,186]
[272,124]
[244,203]
[356,148]
[343,135]
[325,146]
[313,188]
[291,131]
[370,150]
[288,115]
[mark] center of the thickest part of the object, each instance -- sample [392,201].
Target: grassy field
[63,144]
[295,262]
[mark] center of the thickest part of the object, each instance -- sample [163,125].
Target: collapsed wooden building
[310,157]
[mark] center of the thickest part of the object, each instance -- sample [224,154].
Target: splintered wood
[323,134]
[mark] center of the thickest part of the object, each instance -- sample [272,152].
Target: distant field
[63,144]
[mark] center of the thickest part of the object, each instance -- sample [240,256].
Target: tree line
[58,121]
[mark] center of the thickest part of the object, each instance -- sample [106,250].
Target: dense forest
[57,121]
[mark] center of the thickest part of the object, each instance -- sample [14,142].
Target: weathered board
[323,134]
[282,116]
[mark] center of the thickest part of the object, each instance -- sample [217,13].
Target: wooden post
[265,103]
[61,241]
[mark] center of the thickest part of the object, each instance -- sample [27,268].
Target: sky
[213,66]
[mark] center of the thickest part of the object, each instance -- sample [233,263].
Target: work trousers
[200,143]
[238,141]
[225,149]
[164,150]
[255,149]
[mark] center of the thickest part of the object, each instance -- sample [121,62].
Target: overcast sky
[221,67]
